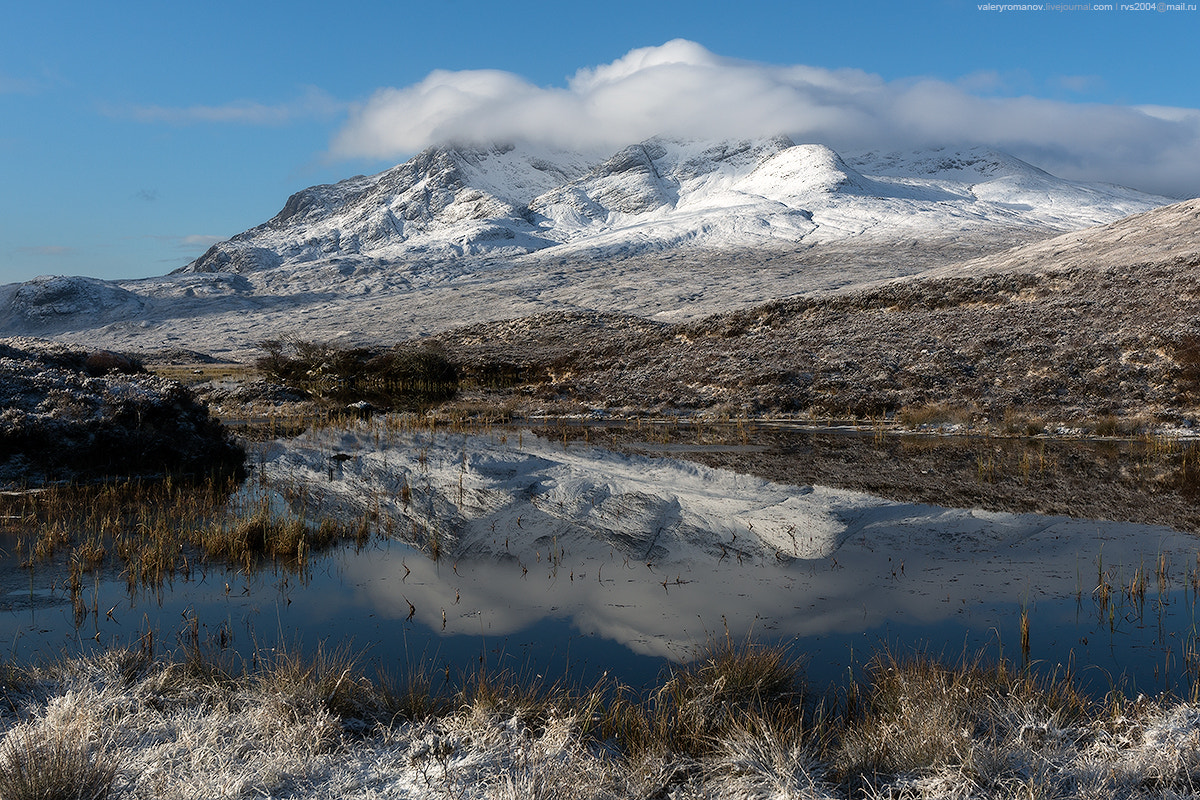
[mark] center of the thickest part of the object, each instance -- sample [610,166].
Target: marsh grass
[152,531]
[265,534]
[36,767]
[415,696]
[330,679]
[919,715]
[729,688]
[935,414]
[1022,423]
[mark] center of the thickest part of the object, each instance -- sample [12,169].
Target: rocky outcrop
[67,413]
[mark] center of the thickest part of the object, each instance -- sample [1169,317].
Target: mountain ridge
[1093,328]
[509,200]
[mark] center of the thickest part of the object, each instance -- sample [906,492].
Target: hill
[1085,325]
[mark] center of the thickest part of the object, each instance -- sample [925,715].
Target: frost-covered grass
[738,723]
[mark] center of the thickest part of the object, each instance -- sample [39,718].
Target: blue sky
[134,134]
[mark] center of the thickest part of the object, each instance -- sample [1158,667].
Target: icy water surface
[561,558]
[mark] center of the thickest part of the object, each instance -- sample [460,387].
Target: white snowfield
[664,229]
[658,553]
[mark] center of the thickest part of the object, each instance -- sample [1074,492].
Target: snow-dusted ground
[358,300]
[167,734]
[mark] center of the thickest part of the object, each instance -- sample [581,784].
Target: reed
[154,530]
[1024,634]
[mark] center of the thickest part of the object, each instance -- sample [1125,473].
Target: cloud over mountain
[682,89]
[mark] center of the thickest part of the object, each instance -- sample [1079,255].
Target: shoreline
[738,723]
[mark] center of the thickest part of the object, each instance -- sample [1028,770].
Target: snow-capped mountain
[455,201]
[665,230]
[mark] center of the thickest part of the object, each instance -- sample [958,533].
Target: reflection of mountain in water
[1152,482]
[656,552]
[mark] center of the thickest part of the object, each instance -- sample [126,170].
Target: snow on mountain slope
[508,200]
[449,200]
[1162,235]
[1001,183]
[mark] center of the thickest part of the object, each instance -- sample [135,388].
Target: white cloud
[682,89]
[197,241]
[1171,113]
[314,103]
[47,250]
[11,85]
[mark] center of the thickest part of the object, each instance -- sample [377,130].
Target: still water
[1113,601]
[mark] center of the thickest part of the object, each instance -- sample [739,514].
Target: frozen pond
[555,556]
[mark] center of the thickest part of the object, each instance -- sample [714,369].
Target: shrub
[62,421]
[405,375]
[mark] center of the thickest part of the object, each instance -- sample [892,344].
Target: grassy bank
[738,722]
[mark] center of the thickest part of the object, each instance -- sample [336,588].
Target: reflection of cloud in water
[24,589]
[659,553]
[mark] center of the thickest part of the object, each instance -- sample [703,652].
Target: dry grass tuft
[34,766]
[766,763]
[330,680]
[414,697]
[936,414]
[247,539]
[1022,423]
[729,687]
[921,716]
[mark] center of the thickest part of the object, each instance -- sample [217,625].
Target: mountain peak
[509,199]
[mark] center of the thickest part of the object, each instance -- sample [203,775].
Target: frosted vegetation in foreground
[738,723]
